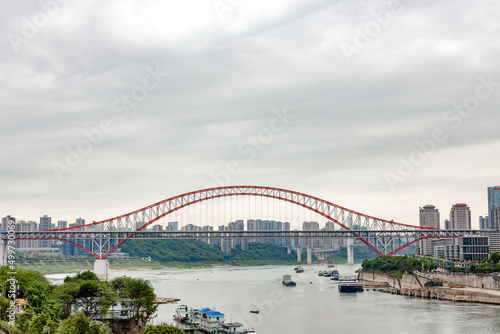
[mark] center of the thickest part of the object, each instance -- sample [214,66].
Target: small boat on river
[287,281]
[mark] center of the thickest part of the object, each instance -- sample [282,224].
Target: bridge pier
[350,251]
[101,269]
[309,255]
[299,254]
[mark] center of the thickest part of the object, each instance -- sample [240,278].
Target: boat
[234,328]
[320,273]
[181,313]
[331,266]
[335,275]
[299,270]
[327,274]
[205,320]
[254,311]
[349,284]
[209,321]
[287,281]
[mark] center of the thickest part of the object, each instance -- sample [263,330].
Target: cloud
[354,119]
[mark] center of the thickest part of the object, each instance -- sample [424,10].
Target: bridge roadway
[295,234]
[100,238]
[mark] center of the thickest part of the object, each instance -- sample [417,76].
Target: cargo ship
[349,284]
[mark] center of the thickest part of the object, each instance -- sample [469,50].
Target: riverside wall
[481,281]
[416,286]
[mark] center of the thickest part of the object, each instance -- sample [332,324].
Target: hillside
[196,251]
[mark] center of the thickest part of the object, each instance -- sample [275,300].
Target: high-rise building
[310,226]
[62,224]
[5,222]
[484,222]
[496,217]
[447,224]
[429,217]
[493,201]
[460,217]
[45,224]
[157,228]
[23,226]
[173,226]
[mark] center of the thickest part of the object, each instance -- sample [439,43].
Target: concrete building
[496,217]
[191,227]
[45,224]
[460,217]
[62,224]
[484,222]
[474,248]
[447,224]
[157,228]
[310,226]
[5,222]
[494,239]
[449,252]
[428,217]
[172,226]
[23,226]
[493,201]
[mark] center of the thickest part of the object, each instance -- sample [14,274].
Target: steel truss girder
[346,219]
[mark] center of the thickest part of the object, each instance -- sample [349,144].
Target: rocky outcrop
[416,286]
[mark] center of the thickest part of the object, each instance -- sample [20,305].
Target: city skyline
[366,106]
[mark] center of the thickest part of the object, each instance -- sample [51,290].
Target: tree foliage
[162,329]
[390,264]
[81,324]
[47,304]
[136,294]
[197,251]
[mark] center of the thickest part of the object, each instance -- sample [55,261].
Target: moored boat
[349,284]
[287,281]
[181,313]
[234,327]
[335,275]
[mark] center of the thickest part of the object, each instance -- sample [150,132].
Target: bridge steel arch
[345,218]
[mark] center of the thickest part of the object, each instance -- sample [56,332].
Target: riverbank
[424,287]
[63,267]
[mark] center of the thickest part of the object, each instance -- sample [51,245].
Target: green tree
[65,295]
[40,322]
[136,294]
[95,297]
[494,257]
[39,297]
[80,324]
[162,329]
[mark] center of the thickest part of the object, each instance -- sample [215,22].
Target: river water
[314,305]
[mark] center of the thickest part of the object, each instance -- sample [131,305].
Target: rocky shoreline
[421,287]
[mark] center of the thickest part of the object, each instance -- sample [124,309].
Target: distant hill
[195,251]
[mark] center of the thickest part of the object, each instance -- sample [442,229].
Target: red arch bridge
[101,238]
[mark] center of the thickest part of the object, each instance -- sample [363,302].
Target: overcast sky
[378,106]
